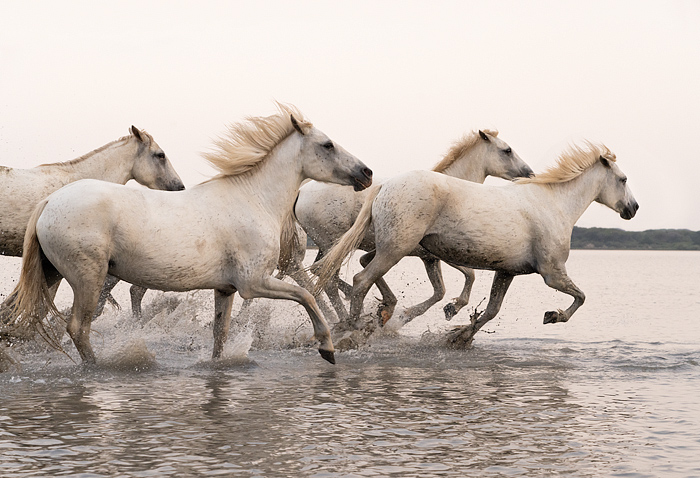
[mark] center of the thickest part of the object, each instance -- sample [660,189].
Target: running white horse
[223,234]
[136,156]
[518,228]
[327,211]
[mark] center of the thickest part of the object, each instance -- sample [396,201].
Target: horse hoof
[551,317]
[327,355]
[450,311]
[385,316]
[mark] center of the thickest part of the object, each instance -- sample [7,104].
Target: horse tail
[31,299]
[331,262]
[289,244]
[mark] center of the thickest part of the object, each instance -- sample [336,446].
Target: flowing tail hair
[31,299]
[327,267]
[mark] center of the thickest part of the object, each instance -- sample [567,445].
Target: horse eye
[623,180]
[508,151]
[328,145]
[160,155]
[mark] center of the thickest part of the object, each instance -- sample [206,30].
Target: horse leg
[302,278]
[559,280]
[457,303]
[105,295]
[86,294]
[137,292]
[386,308]
[276,289]
[432,267]
[463,336]
[331,290]
[223,302]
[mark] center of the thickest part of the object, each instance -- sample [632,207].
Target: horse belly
[479,253]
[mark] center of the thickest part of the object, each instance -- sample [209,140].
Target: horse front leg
[434,271]
[559,280]
[458,303]
[464,336]
[273,288]
[223,301]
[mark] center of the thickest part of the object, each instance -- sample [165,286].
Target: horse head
[324,160]
[615,192]
[152,168]
[500,159]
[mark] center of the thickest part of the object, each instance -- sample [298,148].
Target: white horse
[327,211]
[223,234]
[518,228]
[136,156]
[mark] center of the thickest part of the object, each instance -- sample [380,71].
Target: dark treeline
[658,239]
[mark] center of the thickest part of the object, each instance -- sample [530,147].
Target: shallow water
[613,392]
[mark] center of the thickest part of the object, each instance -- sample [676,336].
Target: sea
[613,392]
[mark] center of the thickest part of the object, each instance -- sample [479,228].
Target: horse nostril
[367,172]
[636,207]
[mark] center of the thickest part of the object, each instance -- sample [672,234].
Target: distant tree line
[653,239]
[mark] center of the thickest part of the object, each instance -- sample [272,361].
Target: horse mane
[247,143]
[85,156]
[459,148]
[571,164]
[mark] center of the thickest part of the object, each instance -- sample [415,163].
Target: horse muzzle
[629,210]
[175,186]
[362,180]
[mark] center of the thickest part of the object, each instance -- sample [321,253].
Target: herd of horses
[77,221]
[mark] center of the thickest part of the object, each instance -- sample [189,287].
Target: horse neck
[276,180]
[573,197]
[469,166]
[113,163]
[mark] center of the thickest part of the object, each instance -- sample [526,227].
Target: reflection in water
[614,393]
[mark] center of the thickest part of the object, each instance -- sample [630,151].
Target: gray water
[613,392]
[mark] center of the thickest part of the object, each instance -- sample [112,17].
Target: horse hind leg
[389,301]
[433,269]
[86,294]
[464,336]
[458,303]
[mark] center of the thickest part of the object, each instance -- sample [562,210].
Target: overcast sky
[394,82]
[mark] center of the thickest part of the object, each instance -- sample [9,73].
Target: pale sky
[394,82]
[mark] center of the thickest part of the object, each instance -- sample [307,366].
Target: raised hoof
[327,355]
[450,311]
[552,317]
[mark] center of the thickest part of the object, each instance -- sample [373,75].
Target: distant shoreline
[600,238]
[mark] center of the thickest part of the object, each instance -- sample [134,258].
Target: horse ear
[484,136]
[605,162]
[135,131]
[296,124]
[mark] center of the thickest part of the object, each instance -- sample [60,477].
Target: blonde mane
[571,164]
[85,156]
[249,142]
[459,148]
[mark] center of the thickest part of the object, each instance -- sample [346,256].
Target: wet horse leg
[86,294]
[223,301]
[106,295]
[463,336]
[432,267]
[137,292]
[274,288]
[388,305]
[559,280]
[458,303]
